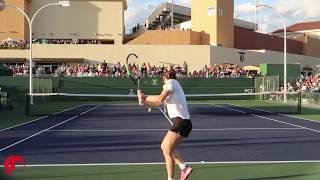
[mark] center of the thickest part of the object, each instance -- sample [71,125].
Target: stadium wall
[18,86]
[196,56]
[5,71]
[311,47]
[96,85]
[167,37]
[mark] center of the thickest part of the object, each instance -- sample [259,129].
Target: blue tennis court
[113,134]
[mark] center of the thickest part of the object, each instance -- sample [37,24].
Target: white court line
[278,113]
[106,130]
[136,130]
[37,119]
[118,104]
[18,142]
[243,112]
[68,109]
[302,127]
[297,117]
[161,163]
[23,123]
[250,108]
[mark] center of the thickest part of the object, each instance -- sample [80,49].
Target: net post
[0,94]
[27,104]
[59,84]
[299,102]
[58,98]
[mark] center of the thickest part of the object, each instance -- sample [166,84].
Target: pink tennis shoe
[184,174]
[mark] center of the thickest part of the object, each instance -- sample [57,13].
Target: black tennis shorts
[181,126]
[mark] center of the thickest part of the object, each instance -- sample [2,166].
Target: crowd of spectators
[9,44]
[150,27]
[66,41]
[222,71]
[306,84]
[136,28]
[118,70]
[309,83]
[18,70]
[165,27]
[21,44]
[110,70]
[154,27]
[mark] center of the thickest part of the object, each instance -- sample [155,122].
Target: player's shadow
[3,176]
[298,176]
[106,173]
[247,141]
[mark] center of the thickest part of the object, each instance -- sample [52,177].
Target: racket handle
[139,97]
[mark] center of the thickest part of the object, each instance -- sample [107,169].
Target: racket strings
[134,69]
[133,65]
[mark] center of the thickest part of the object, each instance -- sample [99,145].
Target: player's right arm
[153,100]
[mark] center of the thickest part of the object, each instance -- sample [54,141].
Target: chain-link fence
[311,99]
[267,84]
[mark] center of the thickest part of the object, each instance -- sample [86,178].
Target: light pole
[30,22]
[255,16]
[284,48]
[260,17]
[172,14]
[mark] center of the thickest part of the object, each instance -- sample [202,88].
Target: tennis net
[267,102]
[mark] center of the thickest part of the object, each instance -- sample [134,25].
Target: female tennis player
[173,96]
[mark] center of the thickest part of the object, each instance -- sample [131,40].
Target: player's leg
[184,128]
[178,159]
[168,146]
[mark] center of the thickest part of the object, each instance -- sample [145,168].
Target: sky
[294,11]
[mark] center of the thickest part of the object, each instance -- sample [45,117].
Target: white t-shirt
[176,101]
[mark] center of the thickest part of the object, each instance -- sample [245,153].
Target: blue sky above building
[295,11]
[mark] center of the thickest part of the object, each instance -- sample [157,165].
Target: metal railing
[311,99]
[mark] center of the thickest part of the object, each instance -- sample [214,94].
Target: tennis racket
[133,67]
[132,59]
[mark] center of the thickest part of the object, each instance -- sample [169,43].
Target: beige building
[13,24]
[198,47]
[308,33]
[85,19]
[298,30]
[214,17]
[212,22]
[174,37]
